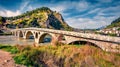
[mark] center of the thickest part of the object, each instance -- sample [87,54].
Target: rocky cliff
[40,17]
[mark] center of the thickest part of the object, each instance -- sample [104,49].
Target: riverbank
[63,56]
[6,34]
[6,60]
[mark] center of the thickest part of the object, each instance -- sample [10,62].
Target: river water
[12,40]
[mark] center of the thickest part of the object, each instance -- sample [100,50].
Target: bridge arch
[13,32]
[61,38]
[28,34]
[20,34]
[16,33]
[84,42]
[36,34]
[43,35]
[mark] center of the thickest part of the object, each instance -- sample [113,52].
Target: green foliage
[104,63]
[2,20]
[115,23]
[31,56]
[40,17]
[9,48]
[111,34]
[118,28]
[28,57]
[66,55]
[35,56]
[29,13]
[2,33]
[20,59]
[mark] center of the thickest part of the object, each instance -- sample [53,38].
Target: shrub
[66,55]
[9,48]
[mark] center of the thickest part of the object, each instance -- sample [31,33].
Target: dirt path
[6,60]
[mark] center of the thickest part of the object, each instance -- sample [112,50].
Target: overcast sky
[77,13]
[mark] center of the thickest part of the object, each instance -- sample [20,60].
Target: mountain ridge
[41,17]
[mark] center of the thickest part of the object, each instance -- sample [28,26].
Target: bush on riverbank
[64,56]
[5,34]
[11,49]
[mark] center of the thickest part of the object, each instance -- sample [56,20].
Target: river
[12,40]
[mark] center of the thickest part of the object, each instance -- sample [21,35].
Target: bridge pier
[15,33]
[37,39]
[55,40]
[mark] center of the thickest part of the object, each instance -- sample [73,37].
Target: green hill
[115,23]
[41,17]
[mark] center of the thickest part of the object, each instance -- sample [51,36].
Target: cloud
[108,14]
[78,14]
[110,11]
[96,10]
[23,7]
[63,6]
[8,13]
[30,7]
[81,5]
[102,16]
[105,1]
[26,6]
[58,8]
[96,22]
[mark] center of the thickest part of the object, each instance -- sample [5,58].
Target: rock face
[40,17]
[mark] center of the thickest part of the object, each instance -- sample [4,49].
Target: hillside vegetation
[41,17]
[115,23]
[63,56]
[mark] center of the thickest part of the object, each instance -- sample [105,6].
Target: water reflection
[12,40]
[47,40]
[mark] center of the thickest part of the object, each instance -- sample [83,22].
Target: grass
[62,56]
[9,48]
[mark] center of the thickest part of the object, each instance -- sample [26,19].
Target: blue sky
[77,13]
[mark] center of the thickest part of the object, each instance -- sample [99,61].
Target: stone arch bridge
[107,43]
